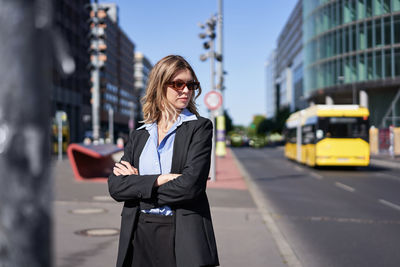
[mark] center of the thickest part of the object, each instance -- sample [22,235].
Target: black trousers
[154,241]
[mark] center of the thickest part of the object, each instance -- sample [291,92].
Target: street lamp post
[111,125]
[97,58]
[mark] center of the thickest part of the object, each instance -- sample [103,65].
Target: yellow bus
[328,135]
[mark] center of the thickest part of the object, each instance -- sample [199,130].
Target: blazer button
[139,194]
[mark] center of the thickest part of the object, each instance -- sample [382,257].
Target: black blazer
[194,235]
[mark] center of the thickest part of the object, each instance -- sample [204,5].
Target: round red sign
[213,100]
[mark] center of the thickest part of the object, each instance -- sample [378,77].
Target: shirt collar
[184,116]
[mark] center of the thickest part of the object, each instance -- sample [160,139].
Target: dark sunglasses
[180,85]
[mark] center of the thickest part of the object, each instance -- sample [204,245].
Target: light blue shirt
[157,159]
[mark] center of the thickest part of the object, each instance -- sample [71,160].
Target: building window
[346,40]
[347,70]
[362,40]
[369,8]
[388,63]
[397,62]
[353,38]
[370,67]
[378,60]
[386,6]
[353,68]
[378,32]
[346,11]
[361,68]
[377,7]
[369,34]
[396,5]
[340,69]
[360,9]
[339,42]
[387,31]
[396,31]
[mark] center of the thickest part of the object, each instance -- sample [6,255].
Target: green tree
[228,122]
[280,119]
[266,126]
[255,124]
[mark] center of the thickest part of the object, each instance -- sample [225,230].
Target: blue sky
[251,28]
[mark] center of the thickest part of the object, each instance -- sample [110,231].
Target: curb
[384,163]
[263,205]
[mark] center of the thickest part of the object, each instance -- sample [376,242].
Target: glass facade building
[271,106]
[142,68]
[289,60]
[351,45]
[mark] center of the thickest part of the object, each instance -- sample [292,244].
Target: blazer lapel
[139,143]
[181,146]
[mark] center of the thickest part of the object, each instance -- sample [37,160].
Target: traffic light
[97,35]
[206,45]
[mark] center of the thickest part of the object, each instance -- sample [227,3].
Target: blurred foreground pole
[25,82]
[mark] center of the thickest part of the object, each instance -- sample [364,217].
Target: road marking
[88,211]
[389,204]
[391,176]
[316,175]
[264,205]
[345,187]
[334,219]
[298,168]
[103,198]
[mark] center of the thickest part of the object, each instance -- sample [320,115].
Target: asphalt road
[331,216]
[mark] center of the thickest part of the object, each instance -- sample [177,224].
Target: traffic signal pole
[210,33]
[212,113]
[221,131]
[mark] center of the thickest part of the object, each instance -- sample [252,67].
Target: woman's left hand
[124,169]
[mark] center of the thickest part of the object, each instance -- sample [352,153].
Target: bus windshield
[342,127]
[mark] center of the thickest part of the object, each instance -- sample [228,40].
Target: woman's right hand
[124,169]
[164,178]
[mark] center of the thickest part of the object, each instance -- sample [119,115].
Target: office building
[352,54]
[116,79]
[289,62]
[142,68]
[71,94]
[271,106]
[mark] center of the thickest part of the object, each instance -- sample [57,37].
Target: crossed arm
[125,168]
[126,184]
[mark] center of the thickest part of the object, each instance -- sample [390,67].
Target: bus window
[308,134]
[320,134]
[343,127]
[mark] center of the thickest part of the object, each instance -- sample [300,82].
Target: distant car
[257,141]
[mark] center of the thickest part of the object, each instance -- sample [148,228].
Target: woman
[162,176]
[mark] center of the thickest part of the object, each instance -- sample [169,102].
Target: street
[330,216]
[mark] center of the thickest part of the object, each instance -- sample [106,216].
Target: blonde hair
[155,103]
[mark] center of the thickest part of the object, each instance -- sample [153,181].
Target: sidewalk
[242,236]
[385,161]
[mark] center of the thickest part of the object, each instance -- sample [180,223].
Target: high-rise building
[142,68]
[352,53]
[288,72]
[71,94]
[270,86]
[116,79]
